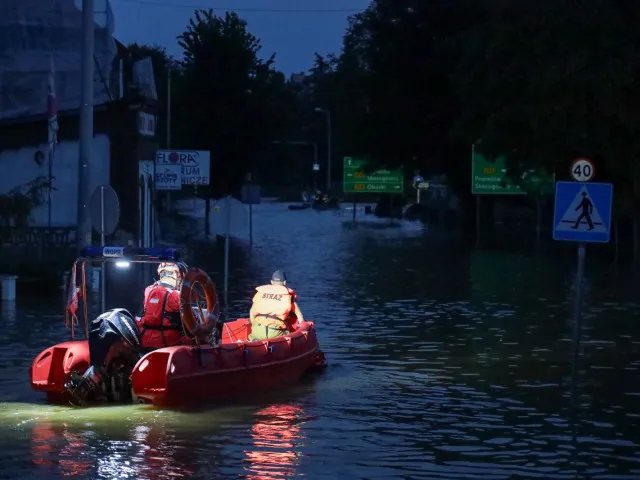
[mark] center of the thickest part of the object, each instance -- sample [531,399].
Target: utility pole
[83,232]
[328,152]
[328,114]
[315,165]
[168,107]
[168,127]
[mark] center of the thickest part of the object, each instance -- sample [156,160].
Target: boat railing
[122,257]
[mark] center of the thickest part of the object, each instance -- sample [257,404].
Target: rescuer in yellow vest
[275,310]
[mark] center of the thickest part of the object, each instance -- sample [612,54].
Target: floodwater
[444,363]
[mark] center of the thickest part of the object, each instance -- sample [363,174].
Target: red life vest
[161,324]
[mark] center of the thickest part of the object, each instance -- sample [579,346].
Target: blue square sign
[582,212]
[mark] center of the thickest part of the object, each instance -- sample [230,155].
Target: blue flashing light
[91,252]
[168,254]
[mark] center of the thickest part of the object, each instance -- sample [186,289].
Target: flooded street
[443,363]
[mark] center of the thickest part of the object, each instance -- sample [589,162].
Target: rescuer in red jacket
[161,324]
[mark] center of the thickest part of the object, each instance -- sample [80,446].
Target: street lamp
[328,114]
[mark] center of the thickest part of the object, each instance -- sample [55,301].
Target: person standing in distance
[275,309]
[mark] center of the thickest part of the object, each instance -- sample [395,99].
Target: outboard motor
[114,348]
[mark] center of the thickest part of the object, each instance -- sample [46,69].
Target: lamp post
[328,114]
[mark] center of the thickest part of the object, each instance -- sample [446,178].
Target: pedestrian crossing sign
[582,212]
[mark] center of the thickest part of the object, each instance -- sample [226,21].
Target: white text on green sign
[380,181]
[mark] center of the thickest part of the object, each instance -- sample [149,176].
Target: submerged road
[444,363]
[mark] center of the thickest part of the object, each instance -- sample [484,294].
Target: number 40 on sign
[582,170]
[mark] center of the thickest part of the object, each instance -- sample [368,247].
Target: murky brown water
[444,364]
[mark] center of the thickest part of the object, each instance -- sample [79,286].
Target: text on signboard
[167,178]
[113,252]
[177,158]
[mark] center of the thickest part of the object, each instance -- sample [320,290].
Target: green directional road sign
[490,178]
[379,181]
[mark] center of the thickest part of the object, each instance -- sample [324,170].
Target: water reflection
[55,448]
[445,364]
[8,311]
[151,453]
[277,442]
[145,452]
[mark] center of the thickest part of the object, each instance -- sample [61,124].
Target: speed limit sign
[582,170]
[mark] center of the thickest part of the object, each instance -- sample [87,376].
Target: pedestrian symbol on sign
[587,211]
[582,215]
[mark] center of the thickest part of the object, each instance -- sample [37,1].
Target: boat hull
[182,374]
[52,368]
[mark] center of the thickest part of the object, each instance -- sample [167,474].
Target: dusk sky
[282,25]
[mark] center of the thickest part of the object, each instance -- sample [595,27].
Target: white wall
[18,167]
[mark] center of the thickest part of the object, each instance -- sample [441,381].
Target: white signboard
[146,124]
[228,216]
[194,164]
[168,177]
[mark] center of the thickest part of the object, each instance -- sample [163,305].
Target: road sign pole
[582,213]
[477,221]
[538,218]
[103,276]
[577,318]
[227,207]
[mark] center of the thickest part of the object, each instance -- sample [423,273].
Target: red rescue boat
[227,365]
[176,375]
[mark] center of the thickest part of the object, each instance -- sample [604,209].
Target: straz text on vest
[273,296]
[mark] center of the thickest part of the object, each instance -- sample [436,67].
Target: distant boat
[303,206]
[326,204]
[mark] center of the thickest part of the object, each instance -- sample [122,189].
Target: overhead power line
[234,9]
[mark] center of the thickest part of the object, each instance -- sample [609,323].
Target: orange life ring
[200,330]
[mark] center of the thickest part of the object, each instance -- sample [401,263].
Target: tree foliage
[540,82]
[224,97]
[232,102]
[418,82]
[17,205]
[392,80]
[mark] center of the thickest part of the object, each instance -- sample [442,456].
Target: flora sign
[195,164]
